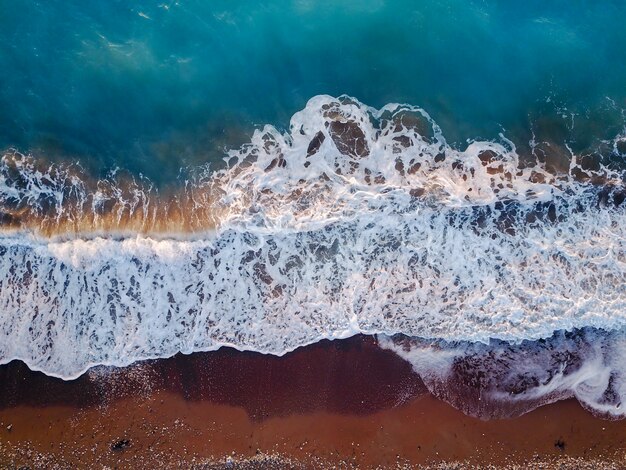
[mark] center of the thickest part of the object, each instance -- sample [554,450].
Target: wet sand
[345,403]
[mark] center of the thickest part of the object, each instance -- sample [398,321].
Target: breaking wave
[354,220]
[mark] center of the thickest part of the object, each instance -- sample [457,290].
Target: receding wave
[500,379]
[355,220]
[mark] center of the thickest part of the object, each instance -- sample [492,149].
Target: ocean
[179,176]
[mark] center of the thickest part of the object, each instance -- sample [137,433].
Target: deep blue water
[154,85]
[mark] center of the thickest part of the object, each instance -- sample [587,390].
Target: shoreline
[345,402]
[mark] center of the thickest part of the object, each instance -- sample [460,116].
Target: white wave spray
[354,221]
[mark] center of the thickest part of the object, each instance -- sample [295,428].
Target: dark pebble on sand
[560,444]
[120,445]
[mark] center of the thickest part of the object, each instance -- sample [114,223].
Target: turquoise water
[155,85]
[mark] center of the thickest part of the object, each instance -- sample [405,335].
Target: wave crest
[356,220]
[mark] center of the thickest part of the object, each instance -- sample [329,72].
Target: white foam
[355,221]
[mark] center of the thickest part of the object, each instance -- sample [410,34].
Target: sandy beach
[345,403]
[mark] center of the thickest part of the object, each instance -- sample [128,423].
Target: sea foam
[354,220]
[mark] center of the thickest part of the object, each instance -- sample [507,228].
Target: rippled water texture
[155,85]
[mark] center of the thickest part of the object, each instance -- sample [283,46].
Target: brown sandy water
[64,200]
[346,403]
